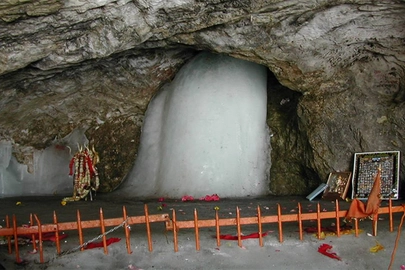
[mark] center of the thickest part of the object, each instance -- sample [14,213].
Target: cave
[85,73]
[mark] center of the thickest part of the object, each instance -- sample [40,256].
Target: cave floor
[292,253]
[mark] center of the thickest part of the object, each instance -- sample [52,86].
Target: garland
[85,177]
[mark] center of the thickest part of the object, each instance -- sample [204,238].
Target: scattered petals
[187,198]
[322,236]
[161,199]
[376,248]
[34,251]
[325,249]
[402,267]
[18,203]
[207,198]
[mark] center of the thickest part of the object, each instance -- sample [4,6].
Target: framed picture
[364,171]
[337,185]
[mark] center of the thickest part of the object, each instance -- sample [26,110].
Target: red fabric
[325,250]
[235,237]
[100,244]
[359,210]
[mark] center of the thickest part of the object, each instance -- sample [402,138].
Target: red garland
[72,162]
[325,250]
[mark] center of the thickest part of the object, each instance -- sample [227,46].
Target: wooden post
[259,223]
[79,229]
[318,219]
[176,247]
[57,241]
[17,253]
[238,226]
[217,227]
[148,231]
[337,210]
[126,230]
[280,223]
[300,221]
[197,235]
[102,225]
[41,250]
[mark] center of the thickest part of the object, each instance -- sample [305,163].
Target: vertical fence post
[197,235]
[280,223]
[55,221]
[259,224]
[318,219]
[217,227]
[17,252]
[41,250]
[176,247]
[8,237]
[300,221]
[238,227]
[34,243]
[374,224]
[103,231]
[79,230]
[356,227]
[337,210]
[390,214]
[148,231]
[126,229]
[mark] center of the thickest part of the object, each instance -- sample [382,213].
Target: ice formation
[205,133]
[46,171]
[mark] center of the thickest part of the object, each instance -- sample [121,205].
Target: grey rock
[337,74]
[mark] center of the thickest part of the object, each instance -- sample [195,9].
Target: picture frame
[337,185]
[364,171]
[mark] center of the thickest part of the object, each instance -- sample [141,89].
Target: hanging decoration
[85,177]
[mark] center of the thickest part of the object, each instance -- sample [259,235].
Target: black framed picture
[365,169]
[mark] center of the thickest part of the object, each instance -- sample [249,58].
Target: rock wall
[339,74]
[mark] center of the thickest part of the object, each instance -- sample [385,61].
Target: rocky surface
[337,74]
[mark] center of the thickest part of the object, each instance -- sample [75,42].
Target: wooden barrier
[175,225]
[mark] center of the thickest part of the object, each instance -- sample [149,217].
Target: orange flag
[359,210]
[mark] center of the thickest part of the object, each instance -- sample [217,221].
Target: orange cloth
[359,210]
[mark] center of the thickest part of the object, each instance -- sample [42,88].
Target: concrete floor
[290,254]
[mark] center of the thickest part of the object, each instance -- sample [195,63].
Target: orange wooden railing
[175,225]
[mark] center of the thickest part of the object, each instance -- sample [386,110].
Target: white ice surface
[205,133]
[49,168]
